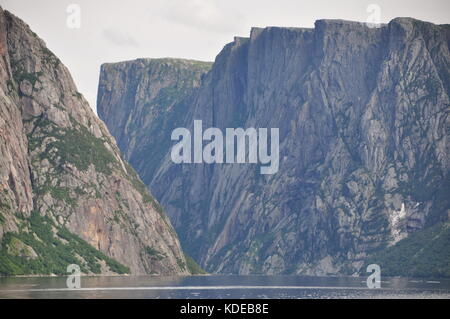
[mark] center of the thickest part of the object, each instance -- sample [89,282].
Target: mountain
[363,118]
[142,99]
[66,194]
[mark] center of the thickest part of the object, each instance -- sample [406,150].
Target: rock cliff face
[140,103]
[364,124]
[66,195]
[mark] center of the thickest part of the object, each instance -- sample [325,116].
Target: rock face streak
[364,122]
[63,185]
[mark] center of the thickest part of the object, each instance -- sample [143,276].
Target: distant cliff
[139,102]
[66,195]
[364,127]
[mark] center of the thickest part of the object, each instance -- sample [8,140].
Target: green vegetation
[31,77]
[424,253]
[154,253]
[78,95]
[193,267]
[4,207]
[78,147]
[84,249]
[41,246]
[50,58]
[118,215]
[55,247]
[63,194]
[59,107]
[81,148]
[20,74]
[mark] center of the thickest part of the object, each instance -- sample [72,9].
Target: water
[224,287]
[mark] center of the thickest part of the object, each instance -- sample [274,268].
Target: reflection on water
[247,287]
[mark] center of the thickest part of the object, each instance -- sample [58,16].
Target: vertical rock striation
[364,124]
[140,102]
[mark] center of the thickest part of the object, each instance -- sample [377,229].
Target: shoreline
[384,278]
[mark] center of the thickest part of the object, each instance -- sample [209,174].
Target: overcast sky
[112,31]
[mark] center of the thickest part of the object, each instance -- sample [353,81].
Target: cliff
[364,149]
[140,103]
[66,195]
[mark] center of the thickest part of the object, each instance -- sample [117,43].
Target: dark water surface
[247,287]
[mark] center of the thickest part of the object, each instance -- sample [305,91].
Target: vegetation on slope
[76,146]
[41,247]
[424,253]
[193,267]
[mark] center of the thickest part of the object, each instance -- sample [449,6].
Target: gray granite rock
[58,160]
[364,154]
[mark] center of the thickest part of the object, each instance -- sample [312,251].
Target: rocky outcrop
[364,149]
[140,103]
[66,195]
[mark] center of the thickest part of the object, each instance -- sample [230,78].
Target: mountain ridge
[364,146]
[66,195]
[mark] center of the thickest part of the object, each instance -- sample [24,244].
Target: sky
[85,33]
